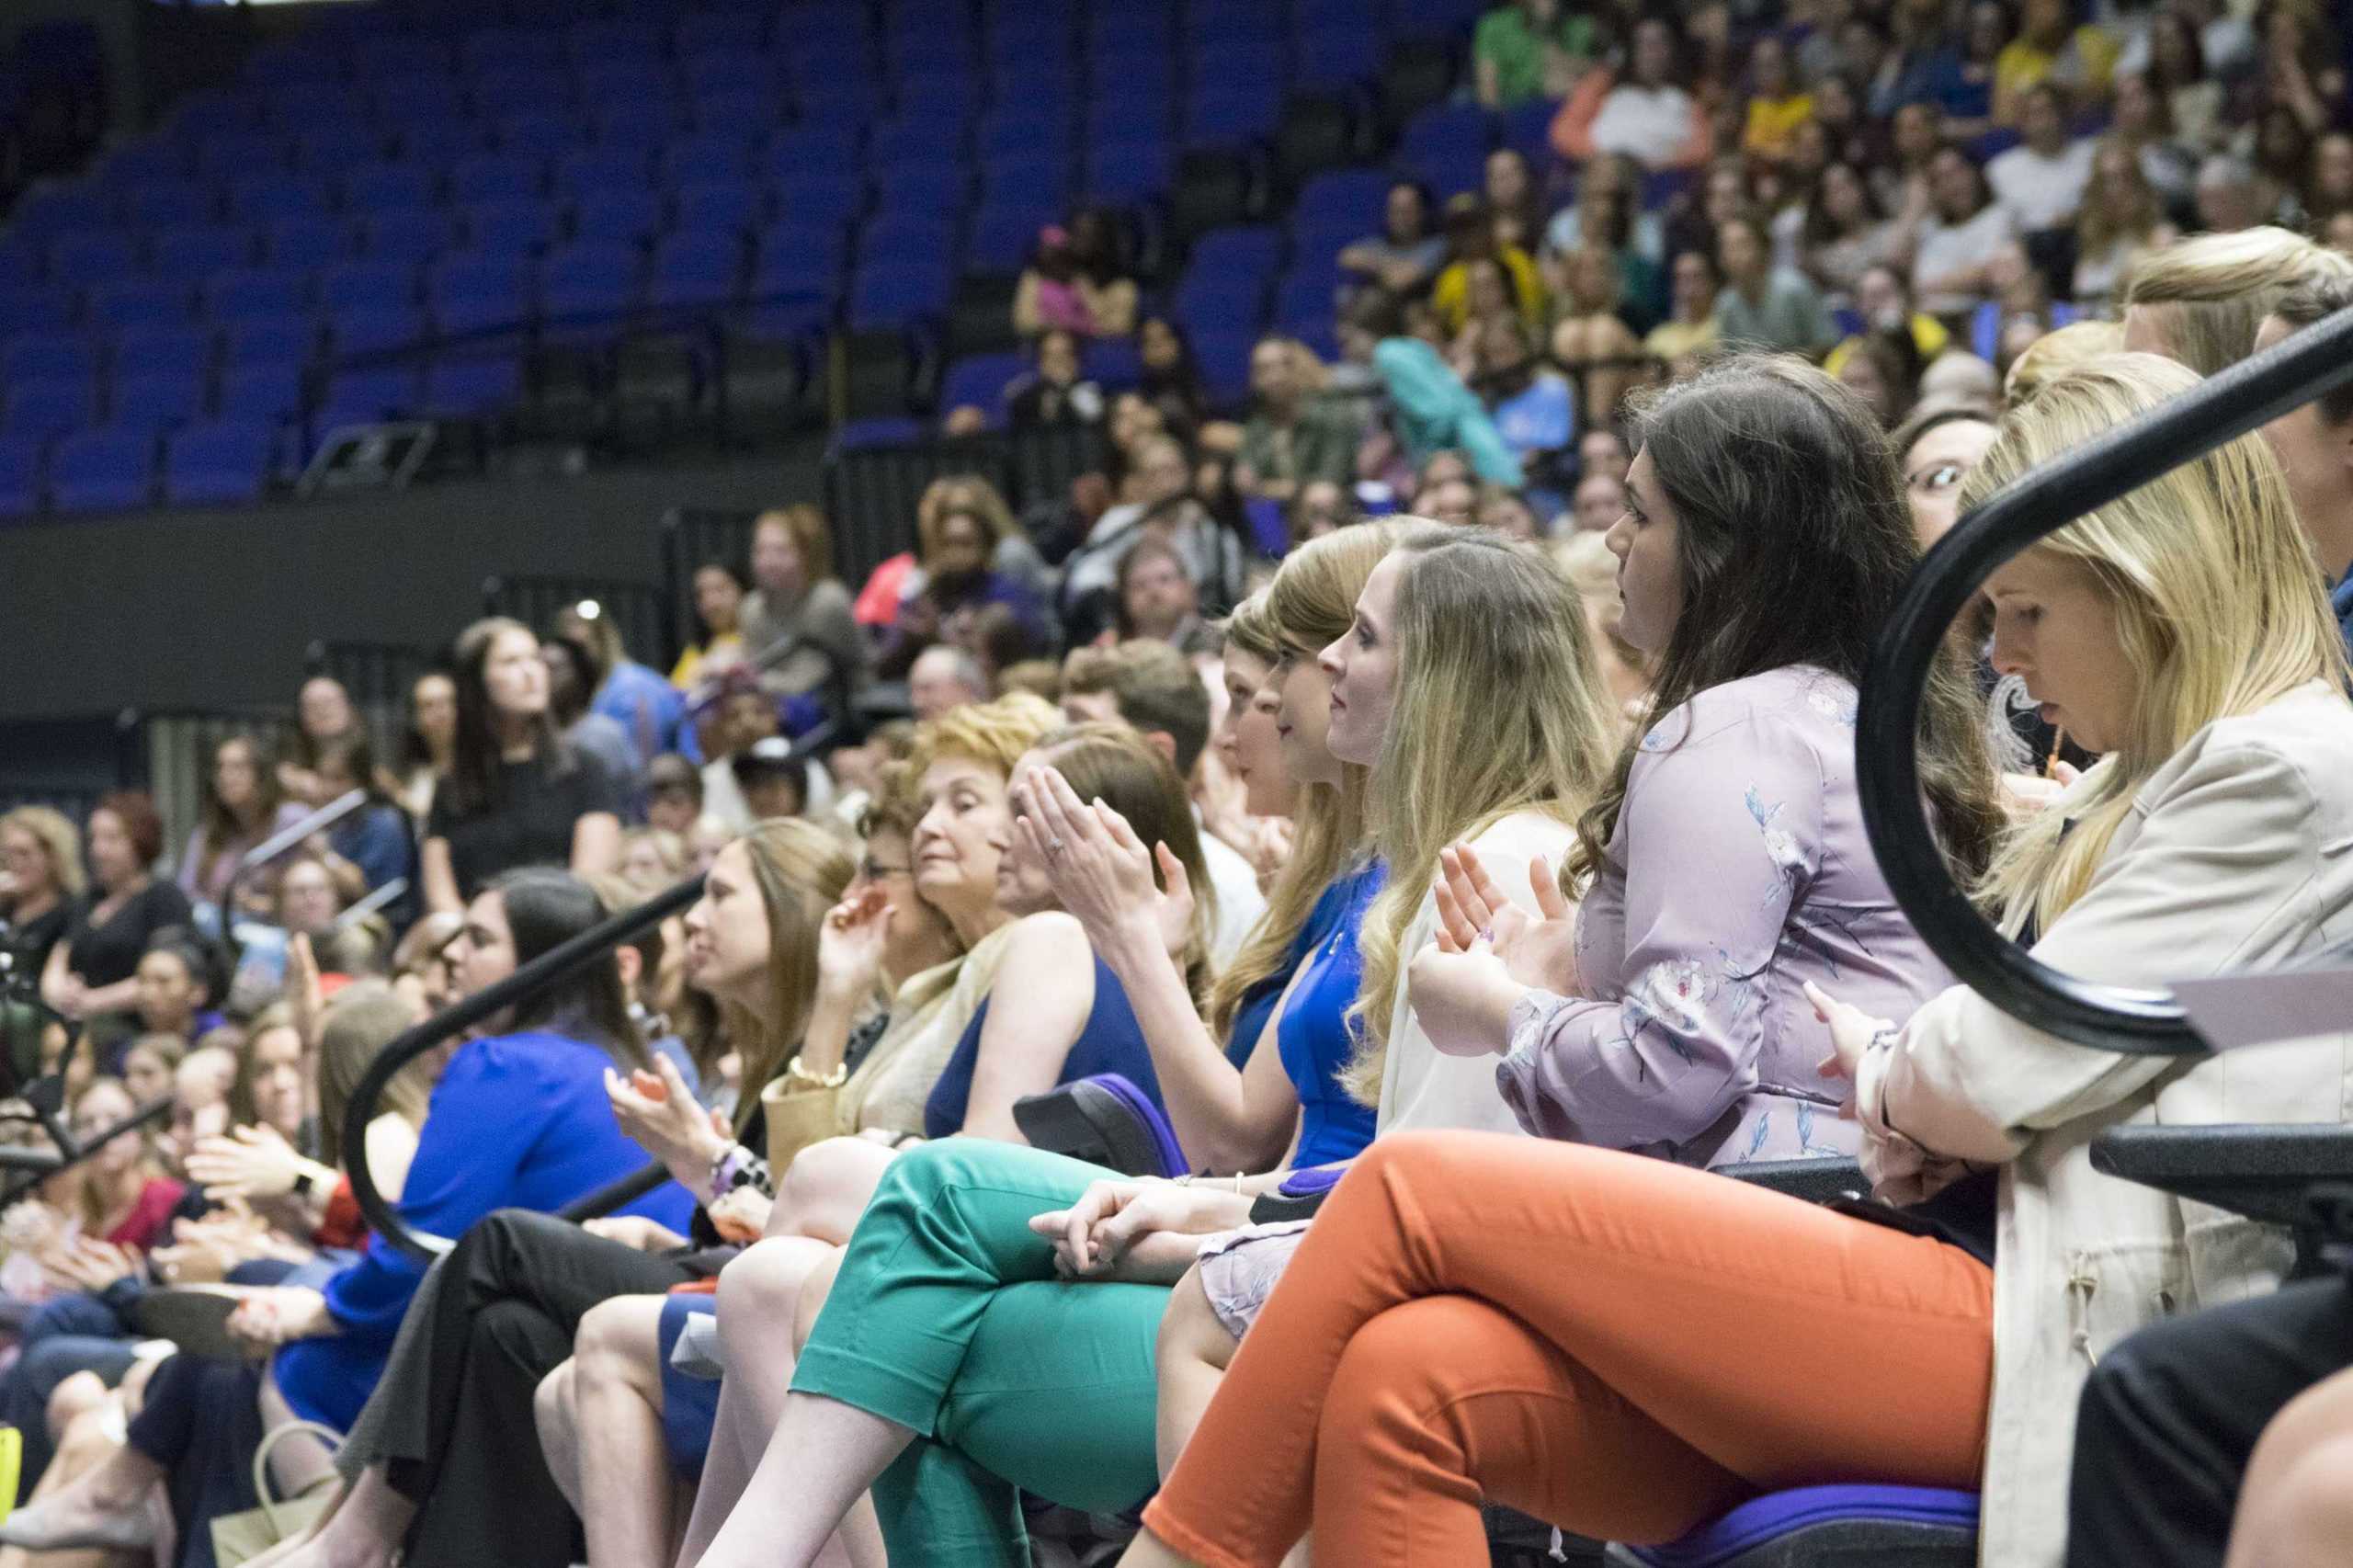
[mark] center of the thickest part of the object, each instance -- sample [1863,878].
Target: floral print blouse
[1738,871]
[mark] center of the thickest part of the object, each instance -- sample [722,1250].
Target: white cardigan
[2236,856]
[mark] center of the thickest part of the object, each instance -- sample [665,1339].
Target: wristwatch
[304,1183]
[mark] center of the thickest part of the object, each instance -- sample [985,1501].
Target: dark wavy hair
[546,908]
[1793,542]
[476,782]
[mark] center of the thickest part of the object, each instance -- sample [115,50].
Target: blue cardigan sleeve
[488,1111]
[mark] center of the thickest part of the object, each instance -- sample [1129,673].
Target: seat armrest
[2265,1171]
[1816,1181]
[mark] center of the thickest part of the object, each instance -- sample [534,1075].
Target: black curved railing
[592,946]
[2307,365]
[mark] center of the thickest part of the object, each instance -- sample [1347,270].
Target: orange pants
[1619,1346]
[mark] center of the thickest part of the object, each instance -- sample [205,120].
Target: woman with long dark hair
[242,806]
[516,794]
[92,974]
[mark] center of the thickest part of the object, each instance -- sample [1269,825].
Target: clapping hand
[660,1115]
[85,1263]
[1100,871]
[250,1162]
[1473,914]
[282,1315]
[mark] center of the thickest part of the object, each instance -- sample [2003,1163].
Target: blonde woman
[40,876]
[2183,630]
[2122,219]
[1462,682]
[2201,300]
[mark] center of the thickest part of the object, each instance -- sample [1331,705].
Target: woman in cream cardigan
[1625,1347]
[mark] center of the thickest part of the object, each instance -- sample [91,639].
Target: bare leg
[824,1457]
[624,1466]
[826,1187]
[364,1531]
[1192,1355]
[556,1414]
[758,1294]
[1147,1550]
[861,1533]
[96,1490]
[2296,1507]
[301,1462]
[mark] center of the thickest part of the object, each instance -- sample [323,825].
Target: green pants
[947,1317]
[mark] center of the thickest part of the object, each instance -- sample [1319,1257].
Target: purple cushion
[1777,1514]
[1139,1105]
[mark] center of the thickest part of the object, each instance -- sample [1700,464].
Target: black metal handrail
[2243,398]
[557,963]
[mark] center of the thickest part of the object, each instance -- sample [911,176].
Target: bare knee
[811,1300]
[1191,1330]
[2311,1508]
[74,1398]
[764,1279]
[620,1342]
[552,1404]
[825,1189]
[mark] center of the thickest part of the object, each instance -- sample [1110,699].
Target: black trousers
[2171,1416]
[458,1438]
[202,1423]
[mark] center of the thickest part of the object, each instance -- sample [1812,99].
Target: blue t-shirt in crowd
[1110,1041]
[377,840]
[647,707]
[520,1121]
[1316,1035]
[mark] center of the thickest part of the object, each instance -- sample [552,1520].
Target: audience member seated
[2040,182]
[2051,48]
[2144,127]
[1077,281]
[92,973]
[1609,209]
[1982,1120]
[647,707]
[1172,378]
[1765,306]
[323,710]
[1407,253]
[1626,673]
[1595,340]
[1964,231]
[943,679]
[1529,50]
[1934,452]
[673,796]
[2231,196]
[1599,502]
[1163,506]
[574,673]
[1056,394]
[1292,437]
[1158,601]
[1690,333]
[2201,302]
[2121,220]
[242,806]
[799,632]
[40,878]
[1777,104]
[1509,187]
[1644,111]
[179,982]
[518,793]
[1534,409]
[718,608]
[1883,370]
[1425,406]
[974,556]
[1471,239]
[1153,689]
[428,742]
[371,849]
[1846,234]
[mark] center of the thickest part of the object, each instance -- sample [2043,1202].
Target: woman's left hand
[1100,871]
[1852,1033]
[85,1263]
[251,1161]
[660,1115]
[281,1315]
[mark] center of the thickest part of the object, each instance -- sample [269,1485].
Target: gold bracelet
[796,1074]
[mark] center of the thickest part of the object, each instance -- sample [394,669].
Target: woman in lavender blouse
[1765,539]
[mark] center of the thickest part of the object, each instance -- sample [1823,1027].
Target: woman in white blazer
[1627,1346]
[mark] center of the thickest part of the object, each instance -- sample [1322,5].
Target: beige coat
[2237,855]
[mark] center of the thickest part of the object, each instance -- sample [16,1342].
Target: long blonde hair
[1307,606]
[2218,288]
[800,871]
[2218,605]
[1499,710]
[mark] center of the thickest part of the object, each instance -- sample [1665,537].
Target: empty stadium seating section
[460,212]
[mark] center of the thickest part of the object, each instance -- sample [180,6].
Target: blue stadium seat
[1355,198]
[720,155]
[1812,1525]
[1004,237]
[587,42]
[841,99]
[381,187]
[1115,362]
[154,159]
[753,110]
[1527,128]
[641,81]
[21,473]
[1227,113]
[157,204]
[627,216]
[32,355]
[1218,302]
[139,302]
[303,242]
[695,270]
[51,211]
[816,197]
[731,205]
[328,150]
[374,329]
[729,70]
[783,270]
[491,50]
[86,256]
[520,225]
[47,406]
[979,381]
[102,470]
[1243,252]
[244,293]
[1447,146]
[402,56]
[408,235]
[268,196]
[267,391]
[225,462]
[872,435]
[497,176]
[290,336]
[543,133]
[899,293]
[583,170]
[365,397]
[224,154]
[35,307]
[211,110]
[368,286]
[1038,180]
[588,279]
[1122,174]
[471,388]
[157,401]
[1224,354]
[1335,57]
[480,291]
[164,350]
[940,189]
[441,142]
[201,250]
[1022,132]
[24,260]
[807,149]
[523,90]
[721,32]
[401,101]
